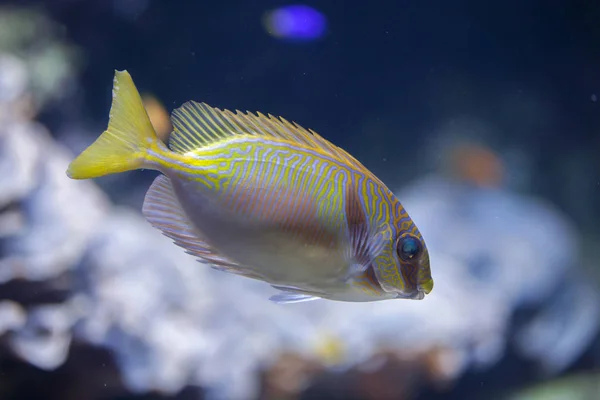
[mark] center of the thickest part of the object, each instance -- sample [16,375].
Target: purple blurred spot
[298,22]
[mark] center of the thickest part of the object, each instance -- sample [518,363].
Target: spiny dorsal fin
[196,125]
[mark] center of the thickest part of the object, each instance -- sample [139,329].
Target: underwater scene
[281,200]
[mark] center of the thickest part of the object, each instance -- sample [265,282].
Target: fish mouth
[426,287]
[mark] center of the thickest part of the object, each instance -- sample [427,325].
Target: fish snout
[426,287]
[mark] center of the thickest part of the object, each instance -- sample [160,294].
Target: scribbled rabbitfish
[264,198]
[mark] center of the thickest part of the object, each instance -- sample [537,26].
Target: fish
[264,198]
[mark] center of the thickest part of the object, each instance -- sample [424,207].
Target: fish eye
[408,248]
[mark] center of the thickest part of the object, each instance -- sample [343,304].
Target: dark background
[419,62]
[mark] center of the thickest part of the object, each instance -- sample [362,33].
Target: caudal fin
[124,144]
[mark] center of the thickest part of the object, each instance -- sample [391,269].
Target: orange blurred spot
[159,116]
[477,165]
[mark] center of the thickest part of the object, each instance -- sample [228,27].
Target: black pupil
[410,247]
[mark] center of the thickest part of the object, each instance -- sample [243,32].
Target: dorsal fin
[196,125]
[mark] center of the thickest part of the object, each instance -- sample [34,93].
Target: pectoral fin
[365,240]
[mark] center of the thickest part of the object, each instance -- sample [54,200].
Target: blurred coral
[577,387]
[49,62]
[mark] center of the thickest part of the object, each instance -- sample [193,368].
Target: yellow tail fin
[123,146]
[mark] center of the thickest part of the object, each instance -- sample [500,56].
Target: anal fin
[162,209]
